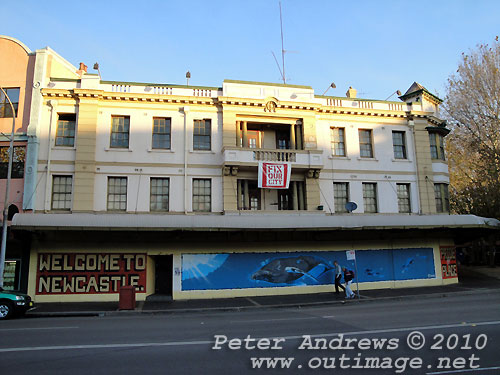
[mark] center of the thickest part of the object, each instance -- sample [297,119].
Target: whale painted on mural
[292,270]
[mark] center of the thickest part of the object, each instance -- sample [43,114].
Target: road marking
[463,371]
[207,342]
[252,301]
[328,316]
[105,346]
[271,320]
[391,330]
[34,328]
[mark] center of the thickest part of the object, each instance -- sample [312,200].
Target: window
[340,195]
[5,108]
[17,162]
[437,146]
[65,135]
[61,192]
[370,197]
[117,193]
[159,189]
[365,144]
[403,198]
[337,136]
[399,145]
[442,198]
[202,135]
[161,133]
[202,195]
[120,129]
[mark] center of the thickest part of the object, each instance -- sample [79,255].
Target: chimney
[83,69]
[351,93]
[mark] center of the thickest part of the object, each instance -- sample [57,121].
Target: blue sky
[375,46]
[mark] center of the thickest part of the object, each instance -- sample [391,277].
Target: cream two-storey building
[156,186]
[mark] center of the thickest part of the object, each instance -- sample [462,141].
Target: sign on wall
[274,175]
[448,262]
[281,269]
[82,273]
[350,254]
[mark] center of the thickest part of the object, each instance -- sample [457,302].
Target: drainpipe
[185,110]
[52,104]
[411,124]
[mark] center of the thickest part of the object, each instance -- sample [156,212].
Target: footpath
[472,280]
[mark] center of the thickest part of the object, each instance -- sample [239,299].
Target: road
[456,333]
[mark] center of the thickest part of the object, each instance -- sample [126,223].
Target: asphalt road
[456,333]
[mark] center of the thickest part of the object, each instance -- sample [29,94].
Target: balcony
[300,159]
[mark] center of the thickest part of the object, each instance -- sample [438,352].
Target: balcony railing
[278,155]
[252,156]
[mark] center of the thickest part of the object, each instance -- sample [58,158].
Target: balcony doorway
[270,136]
[251,198]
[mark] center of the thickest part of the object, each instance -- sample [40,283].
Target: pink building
[16,78]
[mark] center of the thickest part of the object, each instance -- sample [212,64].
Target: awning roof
[245,221]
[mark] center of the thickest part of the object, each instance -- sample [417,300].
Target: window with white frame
[442,197]
[337,136]
[370,197]
[202,195]
[403,198]
[117,193]
[62,187]
[399,144]
[161,133]
[202,135]
[120,132]
[365,143]
[159,191]
[437,146]
[65,134]
[340,195]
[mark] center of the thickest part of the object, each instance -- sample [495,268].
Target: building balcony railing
[251,157]
[275,155]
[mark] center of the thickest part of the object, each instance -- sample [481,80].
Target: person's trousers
[348,292]
[338,284]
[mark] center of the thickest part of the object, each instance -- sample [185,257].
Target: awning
[245,221]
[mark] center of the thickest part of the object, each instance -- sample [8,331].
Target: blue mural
[261,270]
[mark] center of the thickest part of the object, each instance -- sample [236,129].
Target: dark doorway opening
[163,275]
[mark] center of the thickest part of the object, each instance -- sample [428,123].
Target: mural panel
[263,270]
[90,273]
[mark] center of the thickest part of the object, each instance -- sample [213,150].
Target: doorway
[163,274]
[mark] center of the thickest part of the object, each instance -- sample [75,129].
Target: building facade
[157,186]
[17,63]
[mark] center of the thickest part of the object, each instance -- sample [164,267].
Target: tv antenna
[282,68]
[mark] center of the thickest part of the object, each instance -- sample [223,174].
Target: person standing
[338,277]
[348,276]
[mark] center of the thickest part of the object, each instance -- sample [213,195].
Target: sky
[377,47]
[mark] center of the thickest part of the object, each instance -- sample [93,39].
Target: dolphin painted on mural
[288,270]
[373,273]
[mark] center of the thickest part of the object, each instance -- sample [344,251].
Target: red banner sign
[448,262]
[90,273]
[274,175]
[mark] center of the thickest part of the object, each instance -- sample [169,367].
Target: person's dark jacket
[348,275]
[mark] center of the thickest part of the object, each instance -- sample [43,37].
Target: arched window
[12,211]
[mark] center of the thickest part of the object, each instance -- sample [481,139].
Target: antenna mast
[282,46]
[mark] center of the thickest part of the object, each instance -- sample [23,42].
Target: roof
[417,89]
[245,221]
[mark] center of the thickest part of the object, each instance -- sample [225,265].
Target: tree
[472,108]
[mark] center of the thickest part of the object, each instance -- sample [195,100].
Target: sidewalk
[471,282]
